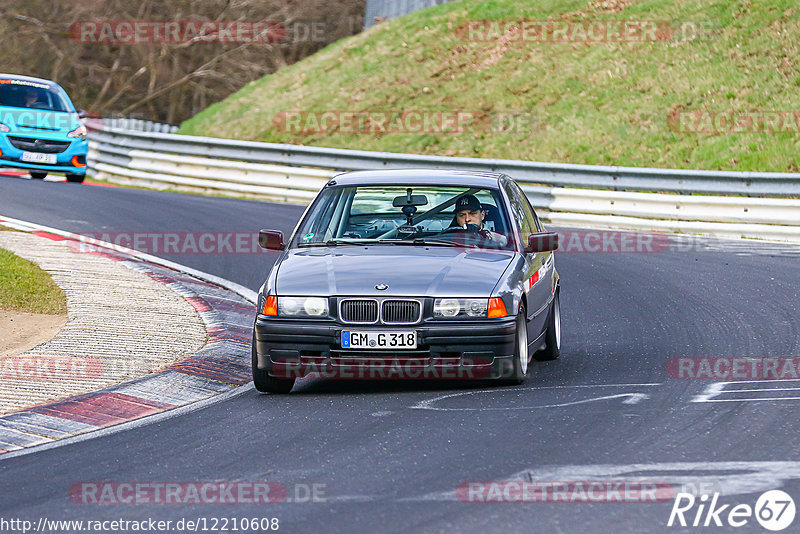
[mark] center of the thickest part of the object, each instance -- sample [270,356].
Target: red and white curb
[221,366]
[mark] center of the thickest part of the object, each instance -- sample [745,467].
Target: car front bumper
[11,156]
[464,350]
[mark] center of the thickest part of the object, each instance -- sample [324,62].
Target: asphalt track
[388,456]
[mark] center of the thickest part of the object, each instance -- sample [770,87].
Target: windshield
[31,95]
[407,215]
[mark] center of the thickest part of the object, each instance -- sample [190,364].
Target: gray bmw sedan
[409,274]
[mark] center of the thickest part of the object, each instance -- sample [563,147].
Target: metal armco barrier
[138,125]
[687,201]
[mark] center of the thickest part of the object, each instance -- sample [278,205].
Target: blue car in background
[40,129]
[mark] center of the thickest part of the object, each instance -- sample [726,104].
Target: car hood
[407,270]
[38,122]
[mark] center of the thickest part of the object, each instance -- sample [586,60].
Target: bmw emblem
[381,287]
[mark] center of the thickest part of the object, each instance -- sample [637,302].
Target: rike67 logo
[774,510]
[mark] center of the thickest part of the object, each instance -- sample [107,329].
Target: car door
[538,266]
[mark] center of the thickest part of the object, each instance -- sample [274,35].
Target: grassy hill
[581,101]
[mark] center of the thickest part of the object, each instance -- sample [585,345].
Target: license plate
[38,157]
[378,340]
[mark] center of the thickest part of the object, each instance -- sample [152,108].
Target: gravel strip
[122,325]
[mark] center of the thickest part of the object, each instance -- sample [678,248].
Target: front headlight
[80,131]
[460,308]
[4,128]
[302,307]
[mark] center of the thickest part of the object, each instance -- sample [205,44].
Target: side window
[519,209]
[531,214]
[319,223]
[539,227]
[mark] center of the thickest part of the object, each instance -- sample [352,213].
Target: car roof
[420,177]
[4,76]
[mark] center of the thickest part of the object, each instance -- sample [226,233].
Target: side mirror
[82,113]
[542,242]
[271,240]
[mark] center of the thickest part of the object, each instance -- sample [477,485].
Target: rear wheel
[552,339]
[521,357]
[265,383]
[38,175]
[75,178]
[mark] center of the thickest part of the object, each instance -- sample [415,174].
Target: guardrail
[138,125]
[618,197]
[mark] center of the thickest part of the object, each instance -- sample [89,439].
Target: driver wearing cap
[470,216]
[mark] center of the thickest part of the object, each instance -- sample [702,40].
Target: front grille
[359,311]
[400,311]
[38,145]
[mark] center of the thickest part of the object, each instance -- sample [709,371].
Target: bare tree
[164,81]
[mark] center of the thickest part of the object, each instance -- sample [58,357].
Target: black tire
[519,369]
[75,178]
[265,383]
[38,175]
[552,339]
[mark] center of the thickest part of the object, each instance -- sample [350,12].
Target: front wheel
[38,175]
[75,178]
[552,339]
[265,383]
[519,363]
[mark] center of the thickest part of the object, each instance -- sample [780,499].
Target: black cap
[468,202]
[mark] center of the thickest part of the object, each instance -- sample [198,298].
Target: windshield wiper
[424,241]
[442,243]
[336,241]
[330,243]
[372,241]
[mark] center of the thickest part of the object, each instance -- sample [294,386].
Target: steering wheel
[470,228]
